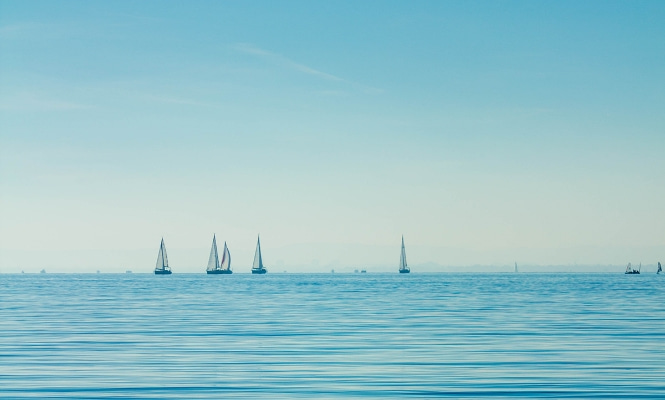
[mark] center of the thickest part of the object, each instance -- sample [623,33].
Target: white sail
[258,262]
[226,258]
[162,259]
[213,260]
[402,258]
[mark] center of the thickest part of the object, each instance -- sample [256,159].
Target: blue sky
[485,132]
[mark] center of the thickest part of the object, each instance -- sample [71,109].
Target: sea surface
[332,336]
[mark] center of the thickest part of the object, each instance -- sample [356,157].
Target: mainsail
[402,258]
[226,258]
[258,262]
[162,259]
[213,260]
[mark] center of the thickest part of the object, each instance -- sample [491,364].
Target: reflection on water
[332,336]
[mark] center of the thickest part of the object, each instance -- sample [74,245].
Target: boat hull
[404,271]
[259,271]
[220,272]
[632,272]
[162,272]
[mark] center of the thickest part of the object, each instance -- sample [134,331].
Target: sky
[485,132]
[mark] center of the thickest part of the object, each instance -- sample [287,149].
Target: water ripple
[332,336]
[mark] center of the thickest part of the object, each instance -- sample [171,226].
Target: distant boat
[630,270]
[214,266]
[516,268]
[660,269]
[42,271]
[363,271]
[257,267]
[162,267]
[403,268]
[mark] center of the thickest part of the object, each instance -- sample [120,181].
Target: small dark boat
[660,269]
[630,270]
[257,267]
[403,268]
[215,267]
[163,272]
[220,272]
[162,267]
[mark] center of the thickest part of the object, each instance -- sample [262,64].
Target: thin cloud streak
[35,102]
[17,29]
[180,100]
[278,59]
[284,61]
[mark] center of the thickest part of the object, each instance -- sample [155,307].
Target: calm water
[332,336]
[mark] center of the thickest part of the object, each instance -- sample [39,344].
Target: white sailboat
[403,268]
[516,268]
[216,267]
[257,267]
[162,267]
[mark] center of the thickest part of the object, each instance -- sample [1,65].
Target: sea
[332,336]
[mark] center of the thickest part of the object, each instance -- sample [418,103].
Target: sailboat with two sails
[257,267]
[215,266]
[403,268]
[162,267]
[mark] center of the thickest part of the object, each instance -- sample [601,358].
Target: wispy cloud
[179,101]
[29,101]
[333,93]
[283,61]
[18,28]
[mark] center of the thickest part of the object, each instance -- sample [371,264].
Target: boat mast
[227,255]
[214,243]
[162,259]
[225,264]
[402,259]
[213,260]
[258,262]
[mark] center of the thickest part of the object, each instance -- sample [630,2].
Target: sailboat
[257,267]
[162,267]
[660,269]
[403,268]
[516,268]
[214,265]
[630,270]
